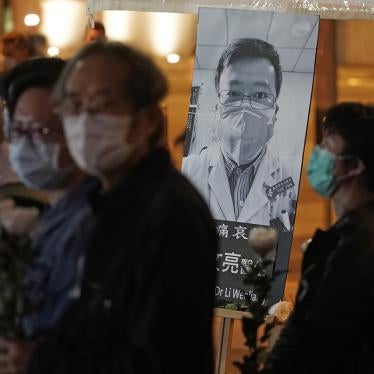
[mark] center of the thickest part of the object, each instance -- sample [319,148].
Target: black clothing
[147,295]
[331,330]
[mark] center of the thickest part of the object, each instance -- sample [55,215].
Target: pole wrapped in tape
[90,13]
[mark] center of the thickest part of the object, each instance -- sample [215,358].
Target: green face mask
[319,171]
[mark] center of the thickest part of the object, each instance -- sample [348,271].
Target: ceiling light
[173,58]
[53,51]
[164,32]
[31,19]
[118,24]
[63,22]
[353,82]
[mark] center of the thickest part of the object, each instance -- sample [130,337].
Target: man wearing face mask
[239,177]
[133,314]
[39,156]
[331,328]
[15,48]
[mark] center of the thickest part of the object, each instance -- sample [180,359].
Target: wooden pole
[224,345]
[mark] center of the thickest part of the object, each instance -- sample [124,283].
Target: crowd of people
[122,237]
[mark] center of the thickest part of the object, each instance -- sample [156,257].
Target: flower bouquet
[16,256]
[258,328]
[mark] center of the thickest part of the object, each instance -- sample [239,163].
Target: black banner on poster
[236,258]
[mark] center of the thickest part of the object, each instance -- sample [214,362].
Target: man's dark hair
[354,122]
[249,48]
[143,85]
[99,26]
[38,72]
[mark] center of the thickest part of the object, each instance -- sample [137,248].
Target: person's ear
[158,133]
[148,123]
[359,169]
[276,111]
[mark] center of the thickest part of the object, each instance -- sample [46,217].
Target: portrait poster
[245,136]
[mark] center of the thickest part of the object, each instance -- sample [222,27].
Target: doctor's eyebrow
[239,86]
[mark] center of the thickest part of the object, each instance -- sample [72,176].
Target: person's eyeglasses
[257,100]
[33,130]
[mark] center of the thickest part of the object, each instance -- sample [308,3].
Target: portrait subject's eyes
[261,95]
[234,95]
[257,100]
[230,98]
[262,100]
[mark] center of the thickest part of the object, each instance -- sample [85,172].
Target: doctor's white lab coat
[207,173]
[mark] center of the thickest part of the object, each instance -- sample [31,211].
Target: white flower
[263,239]
[304,246]
[279,312]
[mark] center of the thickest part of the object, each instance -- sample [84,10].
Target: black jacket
[147,297]
[331,329]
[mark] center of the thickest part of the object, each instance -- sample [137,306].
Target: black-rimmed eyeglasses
[257,100]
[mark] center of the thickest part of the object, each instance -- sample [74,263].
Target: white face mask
[97,142]
[245,131]
[36,164]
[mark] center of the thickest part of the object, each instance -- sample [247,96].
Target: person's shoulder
[179,195]
[77,197]
[181,188]
[358,225]
[355,244]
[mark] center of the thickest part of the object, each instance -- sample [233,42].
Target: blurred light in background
[173,58]
[31,19]
[53,51]
[117,24]
[155,33]
[63,22]
[165,31]
[353,82]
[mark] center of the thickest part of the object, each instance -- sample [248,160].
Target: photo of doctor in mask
[239,176]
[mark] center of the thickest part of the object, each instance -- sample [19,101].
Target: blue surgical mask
[36,164]
[320,168]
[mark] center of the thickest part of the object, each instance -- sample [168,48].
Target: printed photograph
[246,130]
